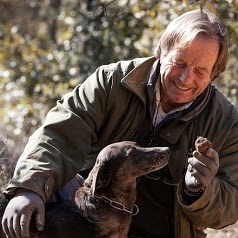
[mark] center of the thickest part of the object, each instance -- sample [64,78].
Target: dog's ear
[101,177]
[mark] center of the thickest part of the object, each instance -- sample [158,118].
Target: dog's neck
[109,195]
[120,191]
[121,198]
[118,205]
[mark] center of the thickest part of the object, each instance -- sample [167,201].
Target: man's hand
[18,214]
[202,167]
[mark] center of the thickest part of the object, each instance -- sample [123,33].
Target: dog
[103,207]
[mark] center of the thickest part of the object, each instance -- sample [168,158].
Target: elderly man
[165,100]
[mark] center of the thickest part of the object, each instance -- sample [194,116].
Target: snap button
[34,178]
[168,134]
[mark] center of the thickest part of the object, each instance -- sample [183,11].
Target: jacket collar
[137,81]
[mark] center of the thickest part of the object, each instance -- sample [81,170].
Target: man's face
[186,72]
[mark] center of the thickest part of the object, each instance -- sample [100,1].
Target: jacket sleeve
[58,149]
[218,206]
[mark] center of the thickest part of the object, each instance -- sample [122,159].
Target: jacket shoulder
[124,66]
[223,104]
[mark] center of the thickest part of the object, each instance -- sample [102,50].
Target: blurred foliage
[10,151]
[47,47]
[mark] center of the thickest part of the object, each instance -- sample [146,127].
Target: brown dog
[104,205]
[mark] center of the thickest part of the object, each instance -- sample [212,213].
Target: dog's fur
[113,176]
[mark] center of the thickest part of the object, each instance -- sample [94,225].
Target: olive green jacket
[108,107]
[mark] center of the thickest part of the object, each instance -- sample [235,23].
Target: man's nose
[187,75]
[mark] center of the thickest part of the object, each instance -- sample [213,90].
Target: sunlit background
[47,47]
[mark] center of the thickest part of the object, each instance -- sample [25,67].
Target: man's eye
[179,64]
[199,73]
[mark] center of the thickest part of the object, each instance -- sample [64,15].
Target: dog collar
[119,206]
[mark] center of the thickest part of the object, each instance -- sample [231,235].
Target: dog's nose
[166,150]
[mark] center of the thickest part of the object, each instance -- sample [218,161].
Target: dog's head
[121,163]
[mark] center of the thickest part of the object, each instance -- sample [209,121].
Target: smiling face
[186,71]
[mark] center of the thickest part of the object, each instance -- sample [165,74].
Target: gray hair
[185,28]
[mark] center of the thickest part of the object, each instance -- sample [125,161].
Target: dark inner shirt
[155,198]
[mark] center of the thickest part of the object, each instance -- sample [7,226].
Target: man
[167,100]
